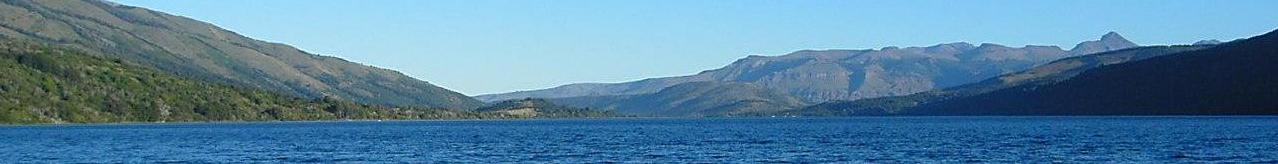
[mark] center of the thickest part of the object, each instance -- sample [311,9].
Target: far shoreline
[613,118]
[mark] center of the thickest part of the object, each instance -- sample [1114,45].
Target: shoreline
[614,118]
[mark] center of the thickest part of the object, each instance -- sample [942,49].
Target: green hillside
[201,51]
[47,84]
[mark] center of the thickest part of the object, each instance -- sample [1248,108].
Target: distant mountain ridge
[1046,74]
[824,75]
[693,99]
[200,50]
[1233,78]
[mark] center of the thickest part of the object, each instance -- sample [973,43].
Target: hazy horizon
[483,47]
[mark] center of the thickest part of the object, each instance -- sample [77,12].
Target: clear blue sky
[493,46]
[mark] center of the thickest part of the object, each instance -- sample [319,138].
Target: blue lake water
[874,139]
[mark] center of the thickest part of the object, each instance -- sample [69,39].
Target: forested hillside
[48,84]
[525,108]
[202,51]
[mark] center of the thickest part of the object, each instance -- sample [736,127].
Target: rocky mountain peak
[1114,36]
[990,45]
[950,47]
[1108,42]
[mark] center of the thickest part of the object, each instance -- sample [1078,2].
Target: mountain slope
[1108,42]
[45,84]
[1231,78]
[693,99]
[1046,74]
[202,51]
[819,76]
[1234,78]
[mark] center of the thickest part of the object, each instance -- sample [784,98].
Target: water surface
[872,139]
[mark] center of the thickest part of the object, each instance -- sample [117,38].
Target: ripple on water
[764,140]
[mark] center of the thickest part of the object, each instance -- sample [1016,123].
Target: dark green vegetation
[44,84]
[1235,78]
[201,51]
[541,108]
[696,99]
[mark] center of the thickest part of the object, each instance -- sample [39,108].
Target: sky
[496,46]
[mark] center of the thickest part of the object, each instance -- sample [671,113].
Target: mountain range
[823,75]
[1046,74]
[199,50]
[1234,78]
[758,85]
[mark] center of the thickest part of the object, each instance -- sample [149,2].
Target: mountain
[1234,78]
[1046,74]
[49,84]
[693,99]
[1208,42]
[205,52]
[1108,42]
[542,108]
[824,75]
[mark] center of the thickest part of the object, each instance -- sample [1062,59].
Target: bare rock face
[824,75]
[199,50]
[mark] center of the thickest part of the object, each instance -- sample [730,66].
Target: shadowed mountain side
[1234,78]
[200,50]
[1046,74]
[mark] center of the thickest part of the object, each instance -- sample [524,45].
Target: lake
[627,140]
